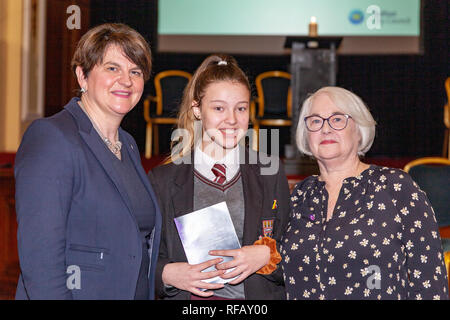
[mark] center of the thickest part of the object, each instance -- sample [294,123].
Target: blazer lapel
[182,191]
[91,137]
[253,190]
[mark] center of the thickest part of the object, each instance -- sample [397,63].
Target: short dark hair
[93,44]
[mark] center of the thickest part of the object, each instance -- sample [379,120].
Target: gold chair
[447,265]
[169,86]
[434,180]
[426,160]
[446,146]
[433,176]
[274,101]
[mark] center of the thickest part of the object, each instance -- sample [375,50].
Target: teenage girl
[215,166]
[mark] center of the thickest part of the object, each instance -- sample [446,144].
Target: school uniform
[258,203]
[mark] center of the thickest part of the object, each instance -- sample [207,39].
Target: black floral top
[382,241]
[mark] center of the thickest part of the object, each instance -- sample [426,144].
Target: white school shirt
[203,163]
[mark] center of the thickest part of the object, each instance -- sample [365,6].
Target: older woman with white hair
[357,231]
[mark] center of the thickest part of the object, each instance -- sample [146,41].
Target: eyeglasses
[336,121]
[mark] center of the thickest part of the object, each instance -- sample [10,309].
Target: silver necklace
[113,147]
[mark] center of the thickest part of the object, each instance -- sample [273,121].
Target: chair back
[432,174]
[169,87]
[274,94]
[447,265]
[447,105]
[447,89]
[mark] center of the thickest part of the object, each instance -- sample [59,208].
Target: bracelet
[275,256]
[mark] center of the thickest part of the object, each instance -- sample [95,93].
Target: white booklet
[207,229]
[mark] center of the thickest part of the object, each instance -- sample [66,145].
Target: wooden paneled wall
[9,261]
[60,83]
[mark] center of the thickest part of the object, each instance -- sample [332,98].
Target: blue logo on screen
[356,16]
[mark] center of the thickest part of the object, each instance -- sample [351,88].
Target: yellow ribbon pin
[274,205]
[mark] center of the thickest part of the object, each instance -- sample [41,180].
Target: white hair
[350,104]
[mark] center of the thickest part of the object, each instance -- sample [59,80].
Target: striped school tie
[219,171]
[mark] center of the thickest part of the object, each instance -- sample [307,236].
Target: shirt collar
[203,163]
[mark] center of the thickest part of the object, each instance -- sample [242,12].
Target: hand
[188,277]
[247,260]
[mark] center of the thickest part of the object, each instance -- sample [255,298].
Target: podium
[313,66]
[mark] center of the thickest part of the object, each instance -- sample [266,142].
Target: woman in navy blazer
[88,221]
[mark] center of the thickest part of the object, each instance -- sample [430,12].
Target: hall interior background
[405,93]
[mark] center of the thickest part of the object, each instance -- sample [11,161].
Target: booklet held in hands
[207,229]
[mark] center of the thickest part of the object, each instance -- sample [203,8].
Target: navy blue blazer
[73,212]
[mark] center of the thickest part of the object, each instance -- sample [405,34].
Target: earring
[83,90]
[196,116]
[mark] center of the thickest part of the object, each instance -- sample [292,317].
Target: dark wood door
[9,261]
